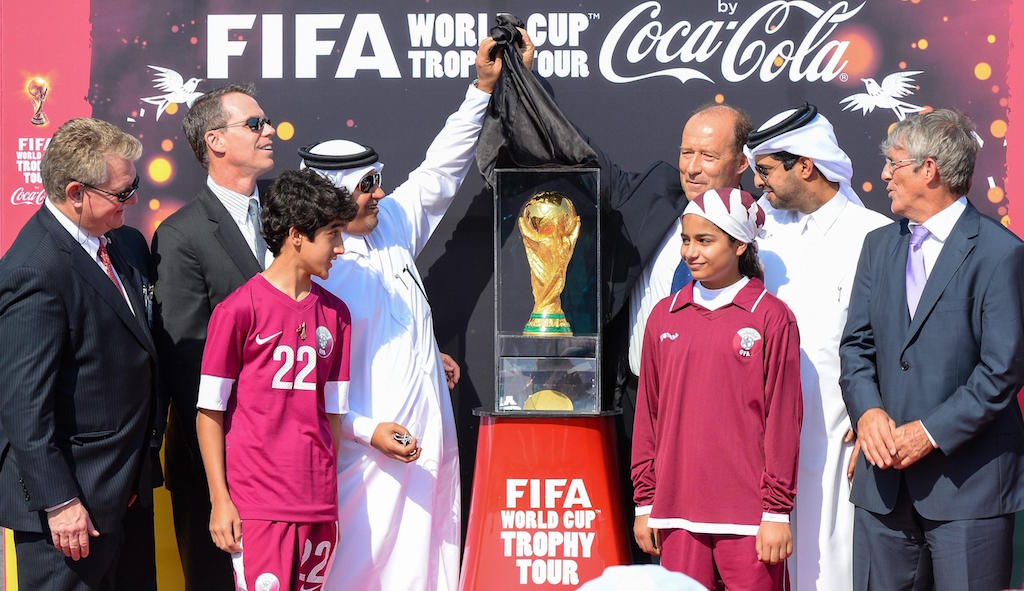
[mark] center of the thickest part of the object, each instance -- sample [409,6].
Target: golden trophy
[550,227]
[37,89]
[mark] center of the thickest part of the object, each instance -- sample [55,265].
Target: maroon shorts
[284,555]
[734,557]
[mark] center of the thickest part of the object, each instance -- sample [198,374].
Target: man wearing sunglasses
[814,229]
[399,504]
[80,419]
[203,252]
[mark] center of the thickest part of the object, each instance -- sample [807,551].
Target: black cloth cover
[524,128]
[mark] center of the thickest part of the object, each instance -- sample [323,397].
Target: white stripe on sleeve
[214,392]
[336,398]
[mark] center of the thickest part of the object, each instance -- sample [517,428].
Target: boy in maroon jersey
[717,429]
[274,385]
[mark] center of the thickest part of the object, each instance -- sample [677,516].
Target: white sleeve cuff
[929,436]
[336,398]
[358,428]
[214,392]
[775,517]
[645,510]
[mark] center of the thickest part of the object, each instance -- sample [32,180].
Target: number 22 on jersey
[306,357]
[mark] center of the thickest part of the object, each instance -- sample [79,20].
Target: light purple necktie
[915,268]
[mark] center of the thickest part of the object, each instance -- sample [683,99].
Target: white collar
[941,224]
[356,244]
[236,203]
[90,243]
[827,214]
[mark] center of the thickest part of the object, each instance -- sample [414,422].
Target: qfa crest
[324,341]
[746,342]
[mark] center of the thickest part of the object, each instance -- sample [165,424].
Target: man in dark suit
[932,360]
[203,252]
[80,419]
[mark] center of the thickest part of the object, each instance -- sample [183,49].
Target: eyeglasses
[762,172]
[369,182]
[894,165]
[253,123]
[122,196]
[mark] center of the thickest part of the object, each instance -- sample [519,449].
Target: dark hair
[306,201]
[788,159]
[742,126]
[208,113]
[750,264]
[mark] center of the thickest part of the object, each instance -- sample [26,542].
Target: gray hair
[208,113]
[946,136]
[78,152]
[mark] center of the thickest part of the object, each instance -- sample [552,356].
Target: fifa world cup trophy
[550,227]
[37,90]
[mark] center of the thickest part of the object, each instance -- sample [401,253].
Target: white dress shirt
[238,208]
[809,262]
[939,227]
[654,285]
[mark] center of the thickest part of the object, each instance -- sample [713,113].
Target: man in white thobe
[815,227]
[399,502]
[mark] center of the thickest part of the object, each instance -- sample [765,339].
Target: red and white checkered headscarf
[733,210]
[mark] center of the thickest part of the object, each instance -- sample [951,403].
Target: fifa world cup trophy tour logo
[37,89]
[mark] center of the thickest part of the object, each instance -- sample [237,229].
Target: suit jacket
[637,209]
[957,366]
[200,258]
[79,403]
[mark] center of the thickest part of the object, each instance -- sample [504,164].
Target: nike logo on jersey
[669,335]
[265,340]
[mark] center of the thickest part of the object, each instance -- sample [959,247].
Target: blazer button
[904,365]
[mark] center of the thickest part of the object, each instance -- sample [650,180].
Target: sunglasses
[253,123]
[122,196]
[369,182]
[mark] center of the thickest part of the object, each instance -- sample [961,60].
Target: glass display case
[547,229]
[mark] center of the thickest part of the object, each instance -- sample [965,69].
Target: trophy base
[39,119]
[547,325]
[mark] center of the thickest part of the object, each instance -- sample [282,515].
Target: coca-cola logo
[22,197]
[642,39]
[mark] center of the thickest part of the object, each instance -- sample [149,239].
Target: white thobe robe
[810,261]
[400,523]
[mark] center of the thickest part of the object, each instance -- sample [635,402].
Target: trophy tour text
[546,524]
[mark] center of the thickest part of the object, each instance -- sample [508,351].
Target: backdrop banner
[388,73]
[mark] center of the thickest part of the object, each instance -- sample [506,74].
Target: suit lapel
[89,270]
[896,273]
[131,278]
[228,235]
[958,246]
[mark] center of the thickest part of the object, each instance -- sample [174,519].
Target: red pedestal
[546,508]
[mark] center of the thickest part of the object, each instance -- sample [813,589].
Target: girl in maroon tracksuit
[719,407]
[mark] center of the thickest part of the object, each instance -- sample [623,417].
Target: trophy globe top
[37,88]
[550,214]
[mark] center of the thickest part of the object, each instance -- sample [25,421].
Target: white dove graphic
[886,96]
[175,89]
